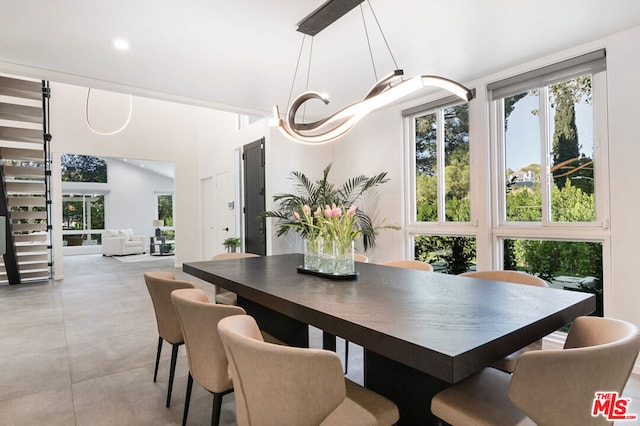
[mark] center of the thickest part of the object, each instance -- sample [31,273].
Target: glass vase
[326,255]
[344,263]
[311,254]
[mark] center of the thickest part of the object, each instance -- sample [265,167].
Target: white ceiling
[240,55]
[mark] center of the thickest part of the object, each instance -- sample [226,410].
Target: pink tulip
[352,211]
[327,211]
[337,211]
[296,215]
[306,209]
[318,212]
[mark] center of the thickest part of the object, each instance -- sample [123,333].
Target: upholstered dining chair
[206,357]
[285,385]
[360,258]
[508,363]
[160,285]
[410,264]
[548,387]
[223,296]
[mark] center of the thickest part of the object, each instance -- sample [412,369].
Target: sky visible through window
[523,141]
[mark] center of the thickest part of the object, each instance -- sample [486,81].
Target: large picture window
[552,204]
[440,204]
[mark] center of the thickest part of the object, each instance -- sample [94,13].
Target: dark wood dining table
[421,331]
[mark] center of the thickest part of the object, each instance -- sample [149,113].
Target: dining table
[420,331]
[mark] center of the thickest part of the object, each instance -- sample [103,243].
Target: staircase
[25,196]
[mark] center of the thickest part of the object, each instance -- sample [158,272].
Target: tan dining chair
[410,264]
[160,285]
[548,387]
[283,385]
[357,257]
[508,363]
[223,296]
[208,364]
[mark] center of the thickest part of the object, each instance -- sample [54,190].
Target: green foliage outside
[457,253]
[83,168]
[572,196]
[73,212]
[165,209]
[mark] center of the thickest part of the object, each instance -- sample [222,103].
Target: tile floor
[81,351]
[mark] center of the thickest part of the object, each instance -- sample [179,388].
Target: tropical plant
[323,193]
[231,243]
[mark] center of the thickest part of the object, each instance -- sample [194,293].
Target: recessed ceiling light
[121,44]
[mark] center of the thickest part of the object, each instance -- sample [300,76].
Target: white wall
[132,200]
[158,130]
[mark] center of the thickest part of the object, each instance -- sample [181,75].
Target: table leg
[282,327]
[328,341]
[411,390]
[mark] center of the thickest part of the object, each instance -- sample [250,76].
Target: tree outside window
[165,213]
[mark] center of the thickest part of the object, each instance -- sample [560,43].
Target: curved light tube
[126,123]
[381,94]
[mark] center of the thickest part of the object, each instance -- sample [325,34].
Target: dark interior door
[255,240]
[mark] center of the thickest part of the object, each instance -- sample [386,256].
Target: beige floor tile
[33,372]
[51,406]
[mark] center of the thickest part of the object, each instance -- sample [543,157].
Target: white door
[208,218]
[224,196]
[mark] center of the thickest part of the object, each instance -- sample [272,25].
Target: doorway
[255,240]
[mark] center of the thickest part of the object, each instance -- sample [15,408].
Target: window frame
[413,226]
[547,228]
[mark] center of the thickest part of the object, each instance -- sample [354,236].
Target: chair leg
[217,408]
[155,373]
[346,356]
[187,400]
[172,371]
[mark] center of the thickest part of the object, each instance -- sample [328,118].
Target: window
[83,209]
[441,158]
[165,213]
[552,206]
[81,214]
[439,222]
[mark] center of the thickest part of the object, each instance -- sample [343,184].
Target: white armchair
[118,242]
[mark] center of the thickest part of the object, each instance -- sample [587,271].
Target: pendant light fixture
[387,90]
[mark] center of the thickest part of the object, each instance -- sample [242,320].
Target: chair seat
[226,298]
[479,400]
[362,407]
[508,363]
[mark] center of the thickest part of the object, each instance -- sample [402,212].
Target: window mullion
[546,150]
[440,162]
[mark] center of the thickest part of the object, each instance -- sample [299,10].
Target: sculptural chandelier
[387,90]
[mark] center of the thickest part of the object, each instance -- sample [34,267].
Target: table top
[447,326]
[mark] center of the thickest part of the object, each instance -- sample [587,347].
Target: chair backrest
[276,384]
[199,321]
[236,255]
[410,264]
[160,286]
[508,276]
[360,258]
[556,387]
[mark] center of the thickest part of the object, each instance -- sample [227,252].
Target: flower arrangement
[341,227]
[329,237]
